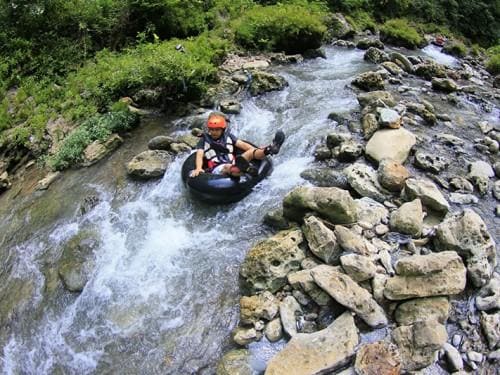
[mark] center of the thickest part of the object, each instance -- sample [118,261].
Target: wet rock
[378,358]
[427,275]
[444,84]
[322,153]
[369,81]
[276,220]
[235,362]
[392,144]
[99,149]
[453,357]
[314,53]
[392,175]
[372,212]
[389,118]
[340,28]
[161,142]
[358,267]
[303,281]
[366,43]
[189,139]
[490,323]
[149,164]
[402,61]
[370,125]
[333,204]
[363,179]
[427,192]
[429,70]
[264,82]
[460,198]
[449,139]
[349,294]
[230,106]
[489,295]
[408,218]
[339,118]
[461,184]
[432,163]
[466,233]
[290,311]
[375,55]
[415,310]
[244,336]
[77,260]
[336,139]
[376,98]
[325,350]
[44,183]
[351,241]
[268,263]
[480,173]
[419,342]
[326,177]
[274,330]
[321,240]
[349,151]
[394,69]
[257,307]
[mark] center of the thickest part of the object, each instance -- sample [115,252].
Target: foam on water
[440,57]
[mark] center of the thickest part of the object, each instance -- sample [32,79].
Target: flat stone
[378,358]
[149,164]
[364,180]
[321,240]
[408,219]
[290,310]
[453,357]
[256,307]
[415,310]
[319,352]
[358,267]
[389,118]
[427,192]
[349,294]
[392,144]
[44,183]
[303,281]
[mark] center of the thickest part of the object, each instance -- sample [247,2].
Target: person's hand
[196,172]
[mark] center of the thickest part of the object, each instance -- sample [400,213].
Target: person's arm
[198,165]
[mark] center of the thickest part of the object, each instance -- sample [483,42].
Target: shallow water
[163,297]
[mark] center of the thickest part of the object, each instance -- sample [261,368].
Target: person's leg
[261,153]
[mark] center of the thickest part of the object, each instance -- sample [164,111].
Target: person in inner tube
[217,148]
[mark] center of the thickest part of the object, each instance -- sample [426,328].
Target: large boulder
[264,82]
[376,56]
[333,204]
[429,70]
[379,98]
[369,81]
[321,240]
[436,274]
[467,234]
[427,192]
[415,310]
[348,293]
[99,149]
[408,219]
[319,352]
[339,27]
[419,342]
[149,164]
[392,144]
[364,180]
[268,263]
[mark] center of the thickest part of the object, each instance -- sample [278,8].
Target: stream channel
[163,293]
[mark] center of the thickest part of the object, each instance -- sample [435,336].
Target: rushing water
[163,295]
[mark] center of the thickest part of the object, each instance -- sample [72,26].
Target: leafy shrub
[282,27]
[493,62]
[361,21]
[400,33]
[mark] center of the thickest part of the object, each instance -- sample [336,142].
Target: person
[217,148]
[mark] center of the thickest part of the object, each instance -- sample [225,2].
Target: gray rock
[100,149]
[274,330]
[257,307]
[322,153]
[44,183]
[303,281]
[336,139]
[389,118]
[161,142]
[372,212]
[408,219]
[369,81]
[376,56]
[326,177]
[438,274]
[490,323]
[461,184]
[290,310]
[149,164]
[460,198]
[336,205]
[351,241]
[392,175]
[496,190]
[402,61]
[244,336]
[268,263]
[479,173]
[466,233]
[427,192]
[349,151]
[230,106]
[489,295]
[449,139]
[369,125]
[372,98]
[358,267]
[415,310]
[349,294]
[276,220]
[366,43]
[321,240]
[444,84]
[418,343]
[432,163]
[319,352]
[340,27]
[264,82]
[235,362]
[364,180]
[453,357]
[392,144]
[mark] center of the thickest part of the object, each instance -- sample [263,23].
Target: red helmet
[216,122]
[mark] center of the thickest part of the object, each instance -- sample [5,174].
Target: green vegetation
[283,27]
[493,62]
[72,60]
[455,48]
[399,32]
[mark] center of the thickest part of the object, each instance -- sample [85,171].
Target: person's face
[215,133]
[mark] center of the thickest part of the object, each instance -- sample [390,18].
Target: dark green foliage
[400,33]
[493,62]
[288,28]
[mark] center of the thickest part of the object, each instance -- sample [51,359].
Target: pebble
[460,198]
[475,356]
[381,229]
[456,341]
[453,357]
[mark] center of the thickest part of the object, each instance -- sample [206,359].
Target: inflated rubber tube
[214,188]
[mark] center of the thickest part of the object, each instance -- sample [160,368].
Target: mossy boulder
[399,32]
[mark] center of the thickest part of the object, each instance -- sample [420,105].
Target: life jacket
[218,152]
